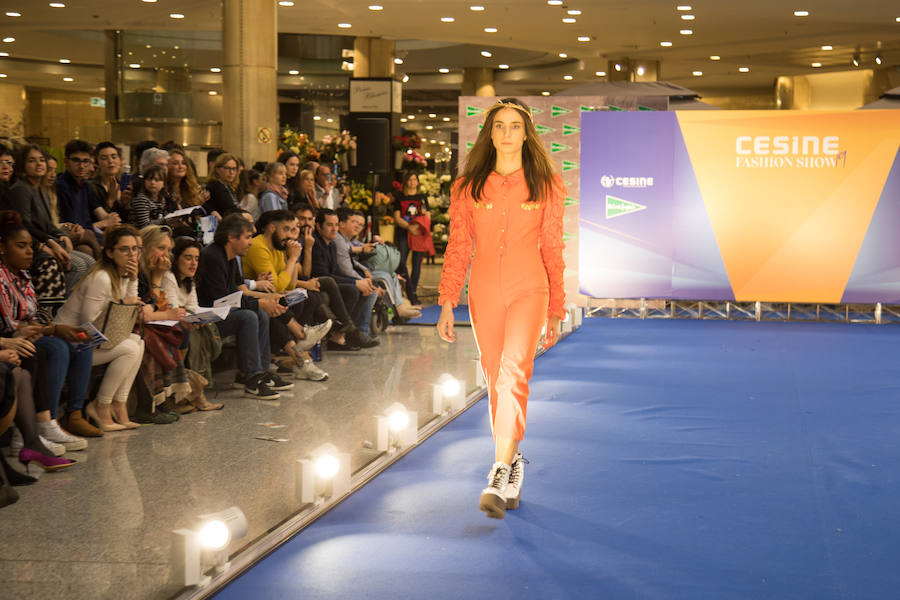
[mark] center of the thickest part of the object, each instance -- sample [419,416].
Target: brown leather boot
[76,424]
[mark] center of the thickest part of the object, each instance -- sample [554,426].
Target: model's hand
[551,336]
[445,323]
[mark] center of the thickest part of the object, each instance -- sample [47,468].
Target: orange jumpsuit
[515,284]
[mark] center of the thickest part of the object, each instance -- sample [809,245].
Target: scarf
[278,189]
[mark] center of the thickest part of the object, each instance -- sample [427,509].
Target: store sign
[98,102]
[374,95]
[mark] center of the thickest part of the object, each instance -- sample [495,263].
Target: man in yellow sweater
[273,251]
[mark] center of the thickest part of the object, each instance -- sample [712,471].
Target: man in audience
[359,294]
[219,275]
[326,193]
[7,164]
[75,198]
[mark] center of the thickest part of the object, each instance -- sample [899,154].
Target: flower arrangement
[361,199]
[296,142]
[407,141]
[414,161]
[332,146]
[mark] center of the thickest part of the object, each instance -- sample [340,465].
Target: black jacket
[324,261]
[34,207]
[217,276]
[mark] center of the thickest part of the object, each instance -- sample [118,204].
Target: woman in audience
[203,340]
[162,368]
[181,183]
[112,279]
[307,187]
[222,186]
[7,166]
[408,203]
[291,164]
[276,195]
[252,186]
[106,183]
[54,257]
[45,348]
[149,206]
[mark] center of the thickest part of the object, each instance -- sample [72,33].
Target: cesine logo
[609,181]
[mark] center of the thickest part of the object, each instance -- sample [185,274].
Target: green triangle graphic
[469,145]
[570,129]
[471,111]
[568,236]
[616,207]
[555,111]
[587,108]
[554,147]
[571,201]
[480,126]
[568,165]
[541,129]
[616,108]
[640,107]
[536,111]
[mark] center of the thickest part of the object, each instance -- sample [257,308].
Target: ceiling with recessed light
[544,46]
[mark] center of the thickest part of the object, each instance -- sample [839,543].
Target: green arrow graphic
[616,108]
[536,111]
[471,111]
[641,107]
[571,201]
[570,129]
[480,126]
[555,111]
[568,237]
[568,165]
[616,207]
[554,147]
[469,145]
[541,129]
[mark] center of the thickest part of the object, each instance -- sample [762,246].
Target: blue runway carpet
[431,314]
[669,459]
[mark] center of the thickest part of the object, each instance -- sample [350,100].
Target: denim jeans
[362,312]
[393,286]
[59,362]
[252,331]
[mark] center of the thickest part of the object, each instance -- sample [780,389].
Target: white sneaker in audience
[17,443]
[53,432]
[310,371]
[314,334]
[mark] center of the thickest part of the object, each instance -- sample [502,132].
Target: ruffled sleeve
[458,254]
[552,247]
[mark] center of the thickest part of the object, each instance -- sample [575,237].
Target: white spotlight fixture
[545,93]
[583,38]
[569,20]
[686,32]
[65,61]
[317,118]
[879,59]
[801,13]
[405,78]
[600,73]
[856,59]
[555,2]
[376,7]
[486,53]
[816,65]
[176,16]
[476,8]
[568,77]
[563,55]
[448,391]
[447,19]
[443,70]
[490,30]
[666,44]
[285,3]
[432,115]
[213,93]
[134,65]
[57,5]
[293,72]
[683,7]
[195,551]
[13,14]
[503,66]
[446,119]
[9,40]
[398,61]
[396,428]
[215,69]
[68,79]
[687,17]
[574,11]
[324,474]
[715,57]
[640,70]
[744,69]
[697,73]
[827,47]
[345,25]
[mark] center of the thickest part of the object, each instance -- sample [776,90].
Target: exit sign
[101,102]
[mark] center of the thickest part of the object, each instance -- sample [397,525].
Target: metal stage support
[712,310]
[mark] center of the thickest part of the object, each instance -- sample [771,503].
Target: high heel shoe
[91,411]
[128,424]
[48,463]
[13,477]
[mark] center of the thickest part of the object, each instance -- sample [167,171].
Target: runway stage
[669,459]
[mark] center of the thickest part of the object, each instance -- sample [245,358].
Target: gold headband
[500,104]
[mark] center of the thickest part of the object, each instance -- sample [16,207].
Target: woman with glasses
[222,186]
[112,279]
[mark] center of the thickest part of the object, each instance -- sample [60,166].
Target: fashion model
[509,203]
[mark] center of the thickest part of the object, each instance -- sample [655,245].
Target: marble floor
[102,529]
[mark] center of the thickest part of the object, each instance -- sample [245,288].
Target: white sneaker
[493,497]
[516,478]
[53,432]
[314,334]
[310,371]
[17,443]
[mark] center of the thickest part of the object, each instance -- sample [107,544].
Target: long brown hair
[482,158]
[105,263]
[188,188]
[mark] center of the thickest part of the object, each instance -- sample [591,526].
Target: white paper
[231,300]
[184,212]
[208,315]
[295,296]
[163,323]
[94,337]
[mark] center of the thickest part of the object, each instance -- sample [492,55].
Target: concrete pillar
[12,110]
[112,58]
[373,57]
[478,81]
[34,112]
[249,73]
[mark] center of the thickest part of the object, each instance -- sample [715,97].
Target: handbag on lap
[116,323]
